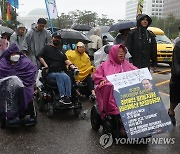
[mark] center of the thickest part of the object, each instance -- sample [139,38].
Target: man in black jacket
[142,44]
[53,58]
[175,82]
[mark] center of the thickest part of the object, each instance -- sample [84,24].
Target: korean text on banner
[141,108]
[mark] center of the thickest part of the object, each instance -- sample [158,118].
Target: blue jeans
[63,83]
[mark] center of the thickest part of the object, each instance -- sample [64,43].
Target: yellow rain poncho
[82,61]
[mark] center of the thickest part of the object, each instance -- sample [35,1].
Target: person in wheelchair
[17,75]
[53,58]
[104,89]
[80,58]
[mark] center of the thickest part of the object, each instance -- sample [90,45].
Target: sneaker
[65,100]
[173,119]
[28,120]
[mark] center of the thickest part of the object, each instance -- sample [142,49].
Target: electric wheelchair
[12,110]
[47,94]
[110,124]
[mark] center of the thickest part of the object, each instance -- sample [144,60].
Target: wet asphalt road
[66,134]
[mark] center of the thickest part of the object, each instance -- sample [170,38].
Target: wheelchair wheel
[95,118]
[50,110]
[107,126]
[3,123]
[39,100]
[34,115]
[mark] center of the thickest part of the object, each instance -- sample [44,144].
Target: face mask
[56,42]
[15,58]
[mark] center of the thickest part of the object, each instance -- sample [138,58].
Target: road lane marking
[164,94]
[161,83]
[161,72]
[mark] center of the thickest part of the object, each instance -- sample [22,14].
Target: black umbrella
[81,27]
[73,36]
[122,25]
[54,29]
[4,29]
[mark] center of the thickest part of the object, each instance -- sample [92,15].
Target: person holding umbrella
[121,37]
[123,27]
[142,44]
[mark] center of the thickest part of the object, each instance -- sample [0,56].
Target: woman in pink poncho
[104,90]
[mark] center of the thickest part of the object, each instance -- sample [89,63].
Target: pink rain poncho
[104,93]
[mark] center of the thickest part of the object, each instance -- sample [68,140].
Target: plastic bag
[38,82]
[11,89]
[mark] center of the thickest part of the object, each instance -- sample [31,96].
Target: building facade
[32,17]
[172,7]
[150,7]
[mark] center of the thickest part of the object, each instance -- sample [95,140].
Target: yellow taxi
[164,46]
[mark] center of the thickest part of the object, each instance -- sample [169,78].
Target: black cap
[41,21]
[56,35]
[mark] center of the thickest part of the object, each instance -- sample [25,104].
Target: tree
[65,21]
[82,17]
[13,23]
[104,21]
[169,25]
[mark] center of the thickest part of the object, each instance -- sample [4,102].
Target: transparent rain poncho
[11,91]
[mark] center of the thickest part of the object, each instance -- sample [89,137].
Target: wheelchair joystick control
[76,72]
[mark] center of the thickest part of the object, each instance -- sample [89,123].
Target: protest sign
[141,108]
